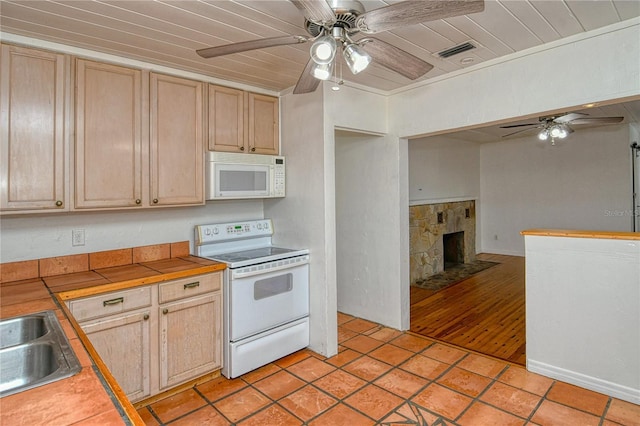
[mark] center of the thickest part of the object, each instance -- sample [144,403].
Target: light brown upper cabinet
[264,124]
[34,97]
[139,138]
[241,121]
[109,153]
[177,141]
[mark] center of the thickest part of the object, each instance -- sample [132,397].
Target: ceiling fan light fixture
[323,50]
[543,135]
[558,131]
[356,58]
[322,71]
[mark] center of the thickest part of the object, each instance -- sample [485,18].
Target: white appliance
[265,293]
[237,176]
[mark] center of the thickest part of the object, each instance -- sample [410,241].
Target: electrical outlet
[77,237]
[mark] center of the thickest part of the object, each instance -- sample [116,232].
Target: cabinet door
[190,339]
[177,142]
[226,119]
[264,124]
[108,151]
[33,98]
[123,344]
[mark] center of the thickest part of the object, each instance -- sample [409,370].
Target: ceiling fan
[333,25]
[557,126]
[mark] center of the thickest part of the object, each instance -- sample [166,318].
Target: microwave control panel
[279,178]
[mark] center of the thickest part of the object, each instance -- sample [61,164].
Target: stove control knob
[259,226]
[216,231]
[266,226]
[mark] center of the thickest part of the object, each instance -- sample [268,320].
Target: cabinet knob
[242,148]
[138,200]
[145,317]
[155,201]
[253,149]
[165,311]
[59,203]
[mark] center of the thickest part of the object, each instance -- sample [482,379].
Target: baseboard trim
[592,383]
[503,252]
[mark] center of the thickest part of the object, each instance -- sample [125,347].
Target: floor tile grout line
[394,367]
[342,400]
[212,404]
[444,372]
[606,410]
[206,402]
[155,415]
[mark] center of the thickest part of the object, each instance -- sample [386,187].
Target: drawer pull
[165,311]
[145,317]
[113,301]
[192,285]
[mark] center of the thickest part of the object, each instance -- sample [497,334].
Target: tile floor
[385,377]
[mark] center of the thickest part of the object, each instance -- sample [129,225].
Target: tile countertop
[92,396]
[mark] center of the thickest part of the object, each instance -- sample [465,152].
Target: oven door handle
[249,271]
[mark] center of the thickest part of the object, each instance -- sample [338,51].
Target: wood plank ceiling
[168,33]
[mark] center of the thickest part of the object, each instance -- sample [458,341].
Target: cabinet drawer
[187,287]
[110,303]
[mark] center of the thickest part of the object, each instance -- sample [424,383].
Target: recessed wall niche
[426,235]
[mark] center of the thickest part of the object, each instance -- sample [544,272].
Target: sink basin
[16,331]
[33,352]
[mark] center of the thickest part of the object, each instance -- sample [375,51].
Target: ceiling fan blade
[243,46]
[520,131]
[316,11]
[412,12]
[569,117]
[597,120]
[519,125]
[306,83]
[395,59]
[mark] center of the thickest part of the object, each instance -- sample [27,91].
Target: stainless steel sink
[34,351]
[16,331]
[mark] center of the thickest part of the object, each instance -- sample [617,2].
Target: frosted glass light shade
[356,58]
[323,50]
[321,71]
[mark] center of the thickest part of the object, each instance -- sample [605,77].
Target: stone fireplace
[441,236]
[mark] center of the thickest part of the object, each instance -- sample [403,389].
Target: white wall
[582,303]
[303,218]
[583,182]
[553,77]
[29,237]
[376,162]
[367,182]
[440,167]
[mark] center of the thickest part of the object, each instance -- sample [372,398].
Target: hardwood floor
[484,313]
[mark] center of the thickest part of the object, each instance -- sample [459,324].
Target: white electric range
[265,293]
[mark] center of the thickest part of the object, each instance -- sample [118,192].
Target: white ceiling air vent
[466,46]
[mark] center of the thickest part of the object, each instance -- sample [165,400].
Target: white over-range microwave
[237,176]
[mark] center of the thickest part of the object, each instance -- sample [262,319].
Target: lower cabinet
[188,346]
[155,337]
[129,360]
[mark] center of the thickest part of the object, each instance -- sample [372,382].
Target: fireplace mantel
[440,200]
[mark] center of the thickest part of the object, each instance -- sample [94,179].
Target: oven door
[266,300]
